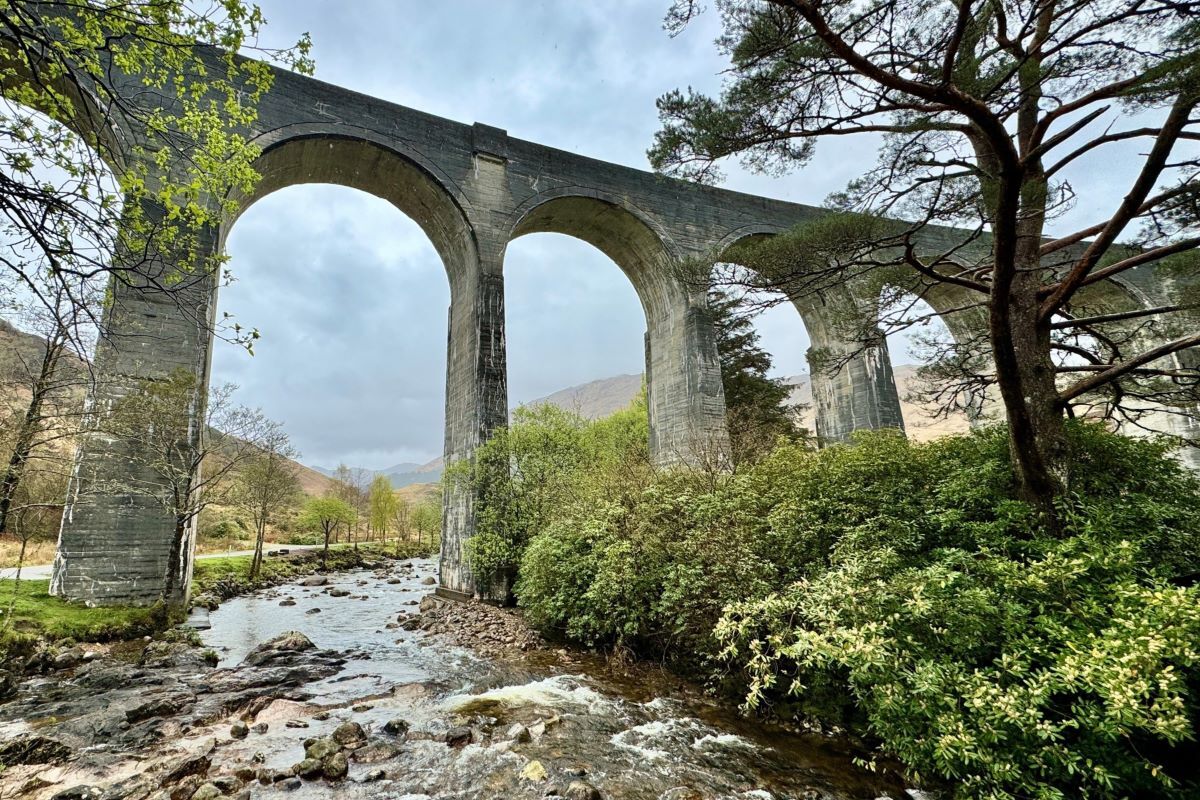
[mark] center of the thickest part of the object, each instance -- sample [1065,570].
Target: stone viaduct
[472,189]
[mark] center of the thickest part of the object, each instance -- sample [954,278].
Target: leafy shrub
[986,650]
[904,589]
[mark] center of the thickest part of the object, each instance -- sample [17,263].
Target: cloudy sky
[349,294]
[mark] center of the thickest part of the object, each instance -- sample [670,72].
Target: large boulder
[283,645]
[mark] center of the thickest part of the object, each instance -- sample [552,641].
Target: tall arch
[683,378]
[853,385]
[99,525]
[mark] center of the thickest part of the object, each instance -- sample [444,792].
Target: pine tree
[755,405]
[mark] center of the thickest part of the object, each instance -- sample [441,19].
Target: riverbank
[323,687]
[39,631]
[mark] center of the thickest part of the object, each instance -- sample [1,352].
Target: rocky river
[363,685]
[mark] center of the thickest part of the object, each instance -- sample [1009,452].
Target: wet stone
[239,730]
[321,749]
[458,737]
[348,734]
[374,753]
[206,791]
[578,790]
[396,726]
[336,767]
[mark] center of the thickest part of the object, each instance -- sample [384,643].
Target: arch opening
[575,327]
[347,294]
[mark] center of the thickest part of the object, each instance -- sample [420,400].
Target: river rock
[287,602]
[336,767]
[374,753]
[289,642]
[206,601]
[315,580]
[459,736]
[313,611]
[239,730]
[430,581]
[309,769]
[374,776]
[396,726]
[320,749]
[164,706]
[187,787]
[32,750]
[174,655]
[578,790]
[228,784]
[337,592]
[349,735]
[71,657]
[8,683]
[260,728]
[534,772]
[207,791]
[518,733]
[78,793]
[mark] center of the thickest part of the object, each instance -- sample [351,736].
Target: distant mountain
[595,399]
[406,466]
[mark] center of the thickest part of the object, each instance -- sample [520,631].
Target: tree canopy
[982,110]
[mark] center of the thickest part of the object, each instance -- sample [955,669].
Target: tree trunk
[256,562]
[325,552]
[1026,377]
[175,568]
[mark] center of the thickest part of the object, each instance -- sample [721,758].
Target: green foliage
[383,504]
[323,513]
[983,650]
[547,460]
[127,130]
[900,588]
[755,409]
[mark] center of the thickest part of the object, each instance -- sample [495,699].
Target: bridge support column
[115,542]
[476,404]
[685,396]
[852,381]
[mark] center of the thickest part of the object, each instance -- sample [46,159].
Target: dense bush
[904,589]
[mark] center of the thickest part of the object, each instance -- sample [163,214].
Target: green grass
[37,613]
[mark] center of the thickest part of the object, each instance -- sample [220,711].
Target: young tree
[400,516]
[326,514]
[382,502]
[185,446]
[755,405]
[267,483]
[350,486]
[984,108]
[427,519]
[98,98]
[44,385]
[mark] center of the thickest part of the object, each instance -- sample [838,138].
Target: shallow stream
[626,741]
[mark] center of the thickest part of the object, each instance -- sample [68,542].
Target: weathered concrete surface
[472,189]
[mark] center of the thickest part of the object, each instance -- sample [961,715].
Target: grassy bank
[230,576]
[33,615]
